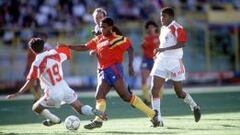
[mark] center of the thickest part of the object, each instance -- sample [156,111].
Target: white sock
[188,100]
[87,110]
[48,115]
[156,106]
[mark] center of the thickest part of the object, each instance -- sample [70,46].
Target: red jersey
[109,49]
[124,47]
[150,42]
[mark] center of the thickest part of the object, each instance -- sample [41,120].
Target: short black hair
[150,22]
[108,21]
[36,44]
[169,11]
[117,31]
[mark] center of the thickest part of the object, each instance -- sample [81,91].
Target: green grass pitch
[220,116]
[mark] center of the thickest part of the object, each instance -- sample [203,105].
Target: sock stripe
[100,100]
[156,98]
[101,106]
[132,99]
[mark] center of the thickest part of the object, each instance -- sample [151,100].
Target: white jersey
[97,30]
[170,35]
[47,66]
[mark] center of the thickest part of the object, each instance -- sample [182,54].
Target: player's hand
[93,53]
[158,50]
[155,51]
[131,71]
[12,96]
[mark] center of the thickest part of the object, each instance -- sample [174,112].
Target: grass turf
[220,116]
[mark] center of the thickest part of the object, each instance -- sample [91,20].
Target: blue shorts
[147,63]
[111,74]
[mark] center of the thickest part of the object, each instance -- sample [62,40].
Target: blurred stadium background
[212,55]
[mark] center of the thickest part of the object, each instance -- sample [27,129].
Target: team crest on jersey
[103,44]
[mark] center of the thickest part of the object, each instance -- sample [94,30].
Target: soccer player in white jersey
[47,67]
[169,64]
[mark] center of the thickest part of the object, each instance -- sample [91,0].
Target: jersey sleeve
[126,43]
[144,43]
[182,35]
[33,73]
[92,44]
[64,52]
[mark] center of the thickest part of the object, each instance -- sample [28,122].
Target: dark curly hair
[150,23]
[36,44]
[108,21]
[169,11]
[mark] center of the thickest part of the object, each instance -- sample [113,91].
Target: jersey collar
[173,21]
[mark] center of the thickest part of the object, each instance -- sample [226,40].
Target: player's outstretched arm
[75,47]
[29,84]
[177,46]
[93,53]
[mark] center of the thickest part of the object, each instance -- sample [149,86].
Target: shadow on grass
[129,132]
[1,133]
[19,112]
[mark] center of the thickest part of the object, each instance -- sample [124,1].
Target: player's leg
[51,119]
[133,99]
[178,75]
[187,99]
[158,74]
[70,97]
[87,110]
[161,92]
[146,67]
[156,87]
[102,90]
[145,74]
[36,91]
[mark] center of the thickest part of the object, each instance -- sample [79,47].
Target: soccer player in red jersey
[150,42]
[169,64]
[47,67]
[98,15]
[111,71]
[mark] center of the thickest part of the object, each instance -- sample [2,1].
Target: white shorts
[58,95]
[169,68]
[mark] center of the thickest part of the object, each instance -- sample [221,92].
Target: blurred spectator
[62,15]
[78,9]
[25,35]
[128,10]
[236,4]
[8,37]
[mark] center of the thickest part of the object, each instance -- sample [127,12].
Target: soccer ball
[72,122]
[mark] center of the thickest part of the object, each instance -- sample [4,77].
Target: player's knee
[34,107]
[37,108]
